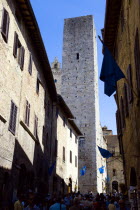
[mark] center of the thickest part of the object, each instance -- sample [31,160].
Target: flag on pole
[83,171]
[105,153]
[50,170]
[110,73]
[101,170]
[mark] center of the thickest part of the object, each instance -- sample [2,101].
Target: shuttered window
[5,24]
[37,86]
[18,51]
[27,113]
[125,100]
[35,126]
[122,113]
[13,116]
[70,156]
[118,122]
[75,161]
[129,76]
[15,47]
[21,57]
[137,60]
[64,154]
[30,65]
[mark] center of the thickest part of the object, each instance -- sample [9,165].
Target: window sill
[2,119]
[28,131]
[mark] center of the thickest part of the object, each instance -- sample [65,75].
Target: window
[76,161]
[37,86]
[114,172]
[137,60]
[70,132]
[77,56]
[13,116]
[81,142]
[27,113]
[64,154]
[5,25]
[70,156]
[18,51]
[30,65]
[129,76]
[125,100]
[122,113]
[55,65]
[35,126]
[118,122]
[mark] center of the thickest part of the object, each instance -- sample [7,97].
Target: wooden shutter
[13,115]
[5,24]
[137,60]
[27,113]
[15,47]
[30,64]
[118,122]
[70,156]
[125,100]
[122,113]
[21,57]
[63,153]
[35,126]
[37,86]
[129,90]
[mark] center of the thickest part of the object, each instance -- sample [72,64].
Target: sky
[50,15]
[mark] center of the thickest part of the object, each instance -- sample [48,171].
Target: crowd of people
[71,201]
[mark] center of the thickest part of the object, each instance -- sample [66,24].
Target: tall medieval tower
[80,91]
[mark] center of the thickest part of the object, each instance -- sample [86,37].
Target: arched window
[114,185]
[114,172]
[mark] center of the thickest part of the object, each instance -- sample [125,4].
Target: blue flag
[83,171]
[110,73]
[107,178]
[105,153]
[50,170]
[101,170]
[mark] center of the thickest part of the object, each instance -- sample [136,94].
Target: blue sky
[50,16]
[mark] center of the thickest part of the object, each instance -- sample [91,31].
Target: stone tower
[80,91]
[57,73]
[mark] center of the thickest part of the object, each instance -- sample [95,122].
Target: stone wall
[23,151]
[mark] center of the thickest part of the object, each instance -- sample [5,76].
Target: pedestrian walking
[111,206]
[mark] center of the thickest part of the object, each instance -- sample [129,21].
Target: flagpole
[124,75]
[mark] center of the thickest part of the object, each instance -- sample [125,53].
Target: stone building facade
[66,178]
[80,91]
[28,103]
[122,36]
[115,171]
